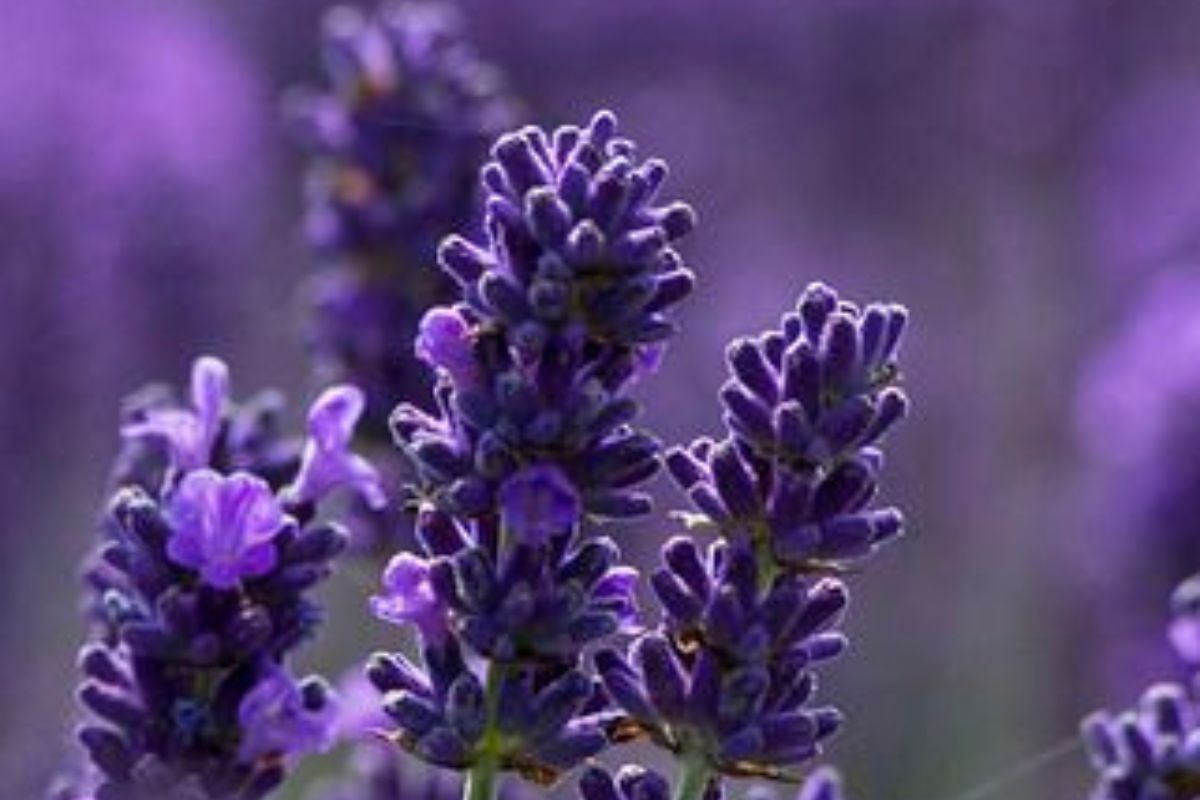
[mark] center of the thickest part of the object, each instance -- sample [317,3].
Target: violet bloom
[327,462]
[222,527]
[199,595]
[189,433]
[280,716]
[806,407]
[408,598]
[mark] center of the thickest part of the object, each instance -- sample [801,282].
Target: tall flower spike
[396,142]
[726,683]
[199,594]
[806,406]
[563,306]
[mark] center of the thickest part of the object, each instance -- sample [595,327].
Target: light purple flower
[444,343]
[408,597]
[190,433]
[282,717]
[328,463]
[223,526]
[539,502]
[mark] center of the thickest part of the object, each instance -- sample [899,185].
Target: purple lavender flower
[327,462]
[222,527]
[638,783]
[726,683]
[563,304]
[562,309]
[280,715]
[200,594]
[805,407]
[396,143]
[189,433]
[1152,751]
[538,724]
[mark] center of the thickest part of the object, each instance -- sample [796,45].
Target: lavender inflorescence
[199,592]
[396,142]
[726,682]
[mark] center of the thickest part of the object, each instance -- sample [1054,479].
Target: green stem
[691,781]
[483,776]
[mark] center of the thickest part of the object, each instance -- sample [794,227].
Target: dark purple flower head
[1152,751]
[563,306]
[537,503]
[806,406]
[729,676]
[544,721]
[396,142]
[576,244]
[223,527]
[200,592]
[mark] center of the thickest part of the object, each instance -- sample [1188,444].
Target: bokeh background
[1020,174]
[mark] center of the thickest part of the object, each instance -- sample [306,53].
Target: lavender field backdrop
[1024,176]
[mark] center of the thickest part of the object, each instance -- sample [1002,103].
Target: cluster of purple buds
[396,142]
[639,783]
[1152,752]
[806,406]
[199,593]
[563,306]
[728,678]
[726,682]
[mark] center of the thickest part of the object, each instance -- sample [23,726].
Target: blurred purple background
[1015,172]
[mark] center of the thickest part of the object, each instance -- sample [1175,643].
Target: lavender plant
[199,592]
[564,305]
[395,145]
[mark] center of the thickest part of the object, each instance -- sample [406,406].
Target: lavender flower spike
[563,306]
[199,594]
[806,407]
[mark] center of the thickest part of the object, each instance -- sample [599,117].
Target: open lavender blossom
[727,680]
[562,307]
[199,593]
[806,406]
